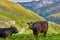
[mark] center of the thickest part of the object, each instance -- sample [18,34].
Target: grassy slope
[51,35]
[15,12]
[54,28]
[21,16]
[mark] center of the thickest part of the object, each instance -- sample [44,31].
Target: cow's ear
[28,23]
[34,23]
[11,26]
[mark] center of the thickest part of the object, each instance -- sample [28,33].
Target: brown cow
[38,27]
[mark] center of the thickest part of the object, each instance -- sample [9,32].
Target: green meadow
[10,11]
[31,37]
[52,34]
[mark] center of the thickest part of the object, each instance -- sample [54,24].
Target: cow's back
[37,26]
[44,26]
[41,26]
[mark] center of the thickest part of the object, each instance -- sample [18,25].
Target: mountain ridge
[42,9]
[11,11]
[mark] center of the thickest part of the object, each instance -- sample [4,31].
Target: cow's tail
[47,23]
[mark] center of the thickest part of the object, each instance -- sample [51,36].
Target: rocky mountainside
[44,8]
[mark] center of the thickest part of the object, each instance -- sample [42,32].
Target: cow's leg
[36,35]
[45,33]
[4,35]
[10,34]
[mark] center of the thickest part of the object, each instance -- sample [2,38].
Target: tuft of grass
[31,37]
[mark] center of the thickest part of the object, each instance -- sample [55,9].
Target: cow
[38,27]
[5,32]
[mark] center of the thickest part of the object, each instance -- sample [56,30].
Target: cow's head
[31,25]
[14,29]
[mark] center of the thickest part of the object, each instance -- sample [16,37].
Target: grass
[31,37]
[52,34]
[14,12]
[21,20]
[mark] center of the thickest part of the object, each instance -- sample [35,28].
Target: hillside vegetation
[10,11]
[14,14]
[53,34]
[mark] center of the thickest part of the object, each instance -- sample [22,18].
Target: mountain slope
[44,8]
[10,11]
[54,17]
